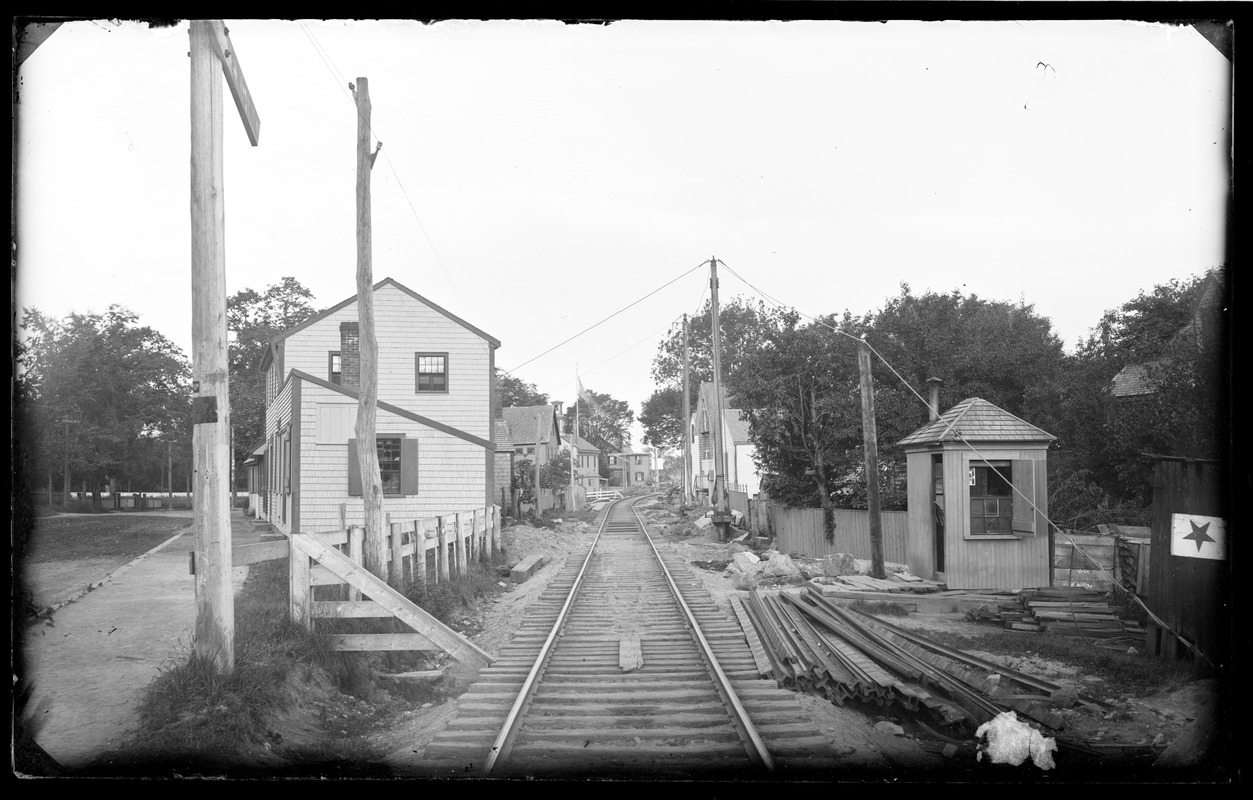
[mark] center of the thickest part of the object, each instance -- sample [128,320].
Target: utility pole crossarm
[235,79]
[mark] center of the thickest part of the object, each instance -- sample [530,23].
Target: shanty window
[991,499]
[432,369]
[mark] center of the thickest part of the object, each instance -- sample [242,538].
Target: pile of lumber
[1062,611]
[811,644]
[899,582]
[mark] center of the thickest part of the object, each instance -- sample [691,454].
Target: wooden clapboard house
[970,524]
[435,418]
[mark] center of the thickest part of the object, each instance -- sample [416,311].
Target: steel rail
[509,730]
[754,744]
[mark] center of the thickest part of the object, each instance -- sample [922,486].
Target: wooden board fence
[800,530]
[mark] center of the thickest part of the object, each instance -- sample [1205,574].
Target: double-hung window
[334,368]
[432,372]
[398,465]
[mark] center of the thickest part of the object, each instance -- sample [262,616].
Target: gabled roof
[1133,380]
[977,420]
[738,426]
[387,282]
[582,445]
[501,435]
[522,422]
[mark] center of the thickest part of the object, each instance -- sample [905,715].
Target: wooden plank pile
[895,582]
[814,645]
[1062,611]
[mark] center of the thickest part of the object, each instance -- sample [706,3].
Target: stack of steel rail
[815,645]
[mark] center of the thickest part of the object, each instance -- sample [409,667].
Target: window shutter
[354,470]
[408,466]
[1024,484]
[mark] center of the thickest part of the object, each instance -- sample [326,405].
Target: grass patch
[447,600]
[194,719]
[1134,675]
[879,608]
[102,536]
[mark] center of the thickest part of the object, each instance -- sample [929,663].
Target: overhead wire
[606,319]
[949,428]
[342,83]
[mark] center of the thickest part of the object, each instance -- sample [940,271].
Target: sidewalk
[92,660]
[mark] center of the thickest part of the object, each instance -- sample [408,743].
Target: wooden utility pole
[722,510]
[367,400]
[871,439]
[687,425]
[212,55]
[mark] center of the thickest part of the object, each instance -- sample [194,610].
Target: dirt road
[89,662]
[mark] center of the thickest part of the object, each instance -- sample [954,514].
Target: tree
[744,329]
[555,475]
[662,418]
[1185,414]
[800,394]
[606,424]
[99,392]
[515,392]
[253,319]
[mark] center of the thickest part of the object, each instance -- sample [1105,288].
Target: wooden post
[538,428]
[367,402]
[215,600]
[419,553]
[356,539]
[495,522]
[460,546]
[299,589]
[397,571]
[442,550]
[687,428]
[871,440]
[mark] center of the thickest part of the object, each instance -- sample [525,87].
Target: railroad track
[567,696]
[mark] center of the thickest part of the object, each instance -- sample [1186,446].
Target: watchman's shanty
[968,527]
[434,424]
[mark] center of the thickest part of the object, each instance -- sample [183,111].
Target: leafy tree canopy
[515,392]
[607,424]
[98,390]
[253,319]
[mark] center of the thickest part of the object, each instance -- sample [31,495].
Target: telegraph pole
[871,440]
[722,511]
[687,426]
[212,55]
[367,400]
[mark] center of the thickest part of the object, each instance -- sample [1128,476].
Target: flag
[585,395]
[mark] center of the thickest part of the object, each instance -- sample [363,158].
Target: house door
[937,508]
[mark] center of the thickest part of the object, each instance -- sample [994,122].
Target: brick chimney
[350,355]
[933,400]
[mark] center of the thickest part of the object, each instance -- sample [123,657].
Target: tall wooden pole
[720,501]
[871,439]
[539,419]
[211,424]
[367,403]
[687,425]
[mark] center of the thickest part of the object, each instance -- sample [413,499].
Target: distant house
[586,461]
[535,430]
[739,465]
[974,474]
[631,469]
[434,423]
[1135,380]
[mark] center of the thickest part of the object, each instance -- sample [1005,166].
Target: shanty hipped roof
[977,420]
[523,421]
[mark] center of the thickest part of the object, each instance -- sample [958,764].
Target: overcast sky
[536,177]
